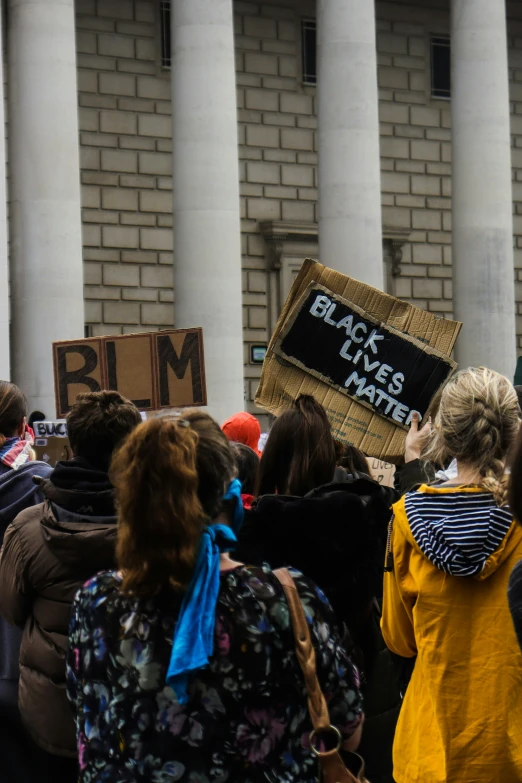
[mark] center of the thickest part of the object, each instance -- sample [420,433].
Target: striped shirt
[457,531]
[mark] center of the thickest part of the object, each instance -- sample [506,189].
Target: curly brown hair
[170,476]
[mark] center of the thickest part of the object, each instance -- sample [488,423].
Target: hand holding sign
[416,439]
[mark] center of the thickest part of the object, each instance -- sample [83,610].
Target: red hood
[243,428]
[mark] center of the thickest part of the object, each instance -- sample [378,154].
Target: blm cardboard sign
[368,357]
[155,370]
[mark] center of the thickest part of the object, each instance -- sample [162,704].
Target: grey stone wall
[125,136]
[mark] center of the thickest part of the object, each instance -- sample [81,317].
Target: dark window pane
[166,61]
[440,67]
[309,44]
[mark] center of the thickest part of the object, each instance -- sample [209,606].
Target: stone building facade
[124,99]
[125,134]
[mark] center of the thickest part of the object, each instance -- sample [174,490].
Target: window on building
[166,58]
[440,67]
[309,47]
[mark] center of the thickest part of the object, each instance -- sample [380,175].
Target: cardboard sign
[389,372]
[50,429]
[383,472]
[52,450]
[355,417]
[155,370]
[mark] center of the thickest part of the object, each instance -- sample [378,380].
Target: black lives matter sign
[374,364]
[155,370]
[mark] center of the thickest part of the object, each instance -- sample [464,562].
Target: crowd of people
[151,590]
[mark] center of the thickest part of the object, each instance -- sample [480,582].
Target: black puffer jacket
[336,535]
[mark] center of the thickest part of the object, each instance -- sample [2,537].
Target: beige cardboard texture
[352,422]
[153,369]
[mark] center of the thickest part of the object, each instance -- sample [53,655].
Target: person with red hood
[244,428]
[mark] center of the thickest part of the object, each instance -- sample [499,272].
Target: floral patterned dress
[246,720]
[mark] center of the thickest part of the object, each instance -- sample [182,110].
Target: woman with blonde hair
[451,550]
[182,664]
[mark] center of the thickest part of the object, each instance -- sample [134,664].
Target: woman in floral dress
[182,664]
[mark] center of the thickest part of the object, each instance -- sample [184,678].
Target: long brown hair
[353,459]
[477,423]
[300,453]
[13,409]
[170,475]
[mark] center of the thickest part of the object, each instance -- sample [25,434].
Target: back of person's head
[34,417]
[244,428]
[477,424]
[300,453]
[97,423]
[13,410]
[247,463]
[353,460]
[170,476]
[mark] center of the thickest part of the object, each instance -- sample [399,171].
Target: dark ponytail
[300,453]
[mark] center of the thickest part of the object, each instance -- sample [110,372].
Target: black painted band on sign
[376,365]
[80,376]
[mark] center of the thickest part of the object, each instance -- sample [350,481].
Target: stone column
[4,269]
[350,228]
[46,239]
[207,251]
[483,275]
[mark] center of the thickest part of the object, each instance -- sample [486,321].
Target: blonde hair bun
[477,423]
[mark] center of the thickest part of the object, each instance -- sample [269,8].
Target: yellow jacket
[461,721]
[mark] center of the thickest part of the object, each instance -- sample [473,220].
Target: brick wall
[125,135]
[126,143]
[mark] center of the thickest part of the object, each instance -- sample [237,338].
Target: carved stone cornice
[276,233]
[393,241]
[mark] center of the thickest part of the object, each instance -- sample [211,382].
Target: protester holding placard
[49,551]
[452,548]
[333,527]
[19,759]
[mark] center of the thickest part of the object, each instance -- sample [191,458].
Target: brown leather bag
[332,768]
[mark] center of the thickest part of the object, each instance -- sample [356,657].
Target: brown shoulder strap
[305,651]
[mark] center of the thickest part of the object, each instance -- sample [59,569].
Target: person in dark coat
[332,525]
[19,757]
[49,551]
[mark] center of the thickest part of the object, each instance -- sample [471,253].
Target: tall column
[207,257]
[46,239]
[4,270]
[350,228]
[483,276]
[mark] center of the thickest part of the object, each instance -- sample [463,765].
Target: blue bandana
[193,642]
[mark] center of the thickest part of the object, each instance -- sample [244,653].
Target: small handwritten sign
[381,368]
[155,370]
[383,472]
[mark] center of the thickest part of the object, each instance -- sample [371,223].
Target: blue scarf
[193,642]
